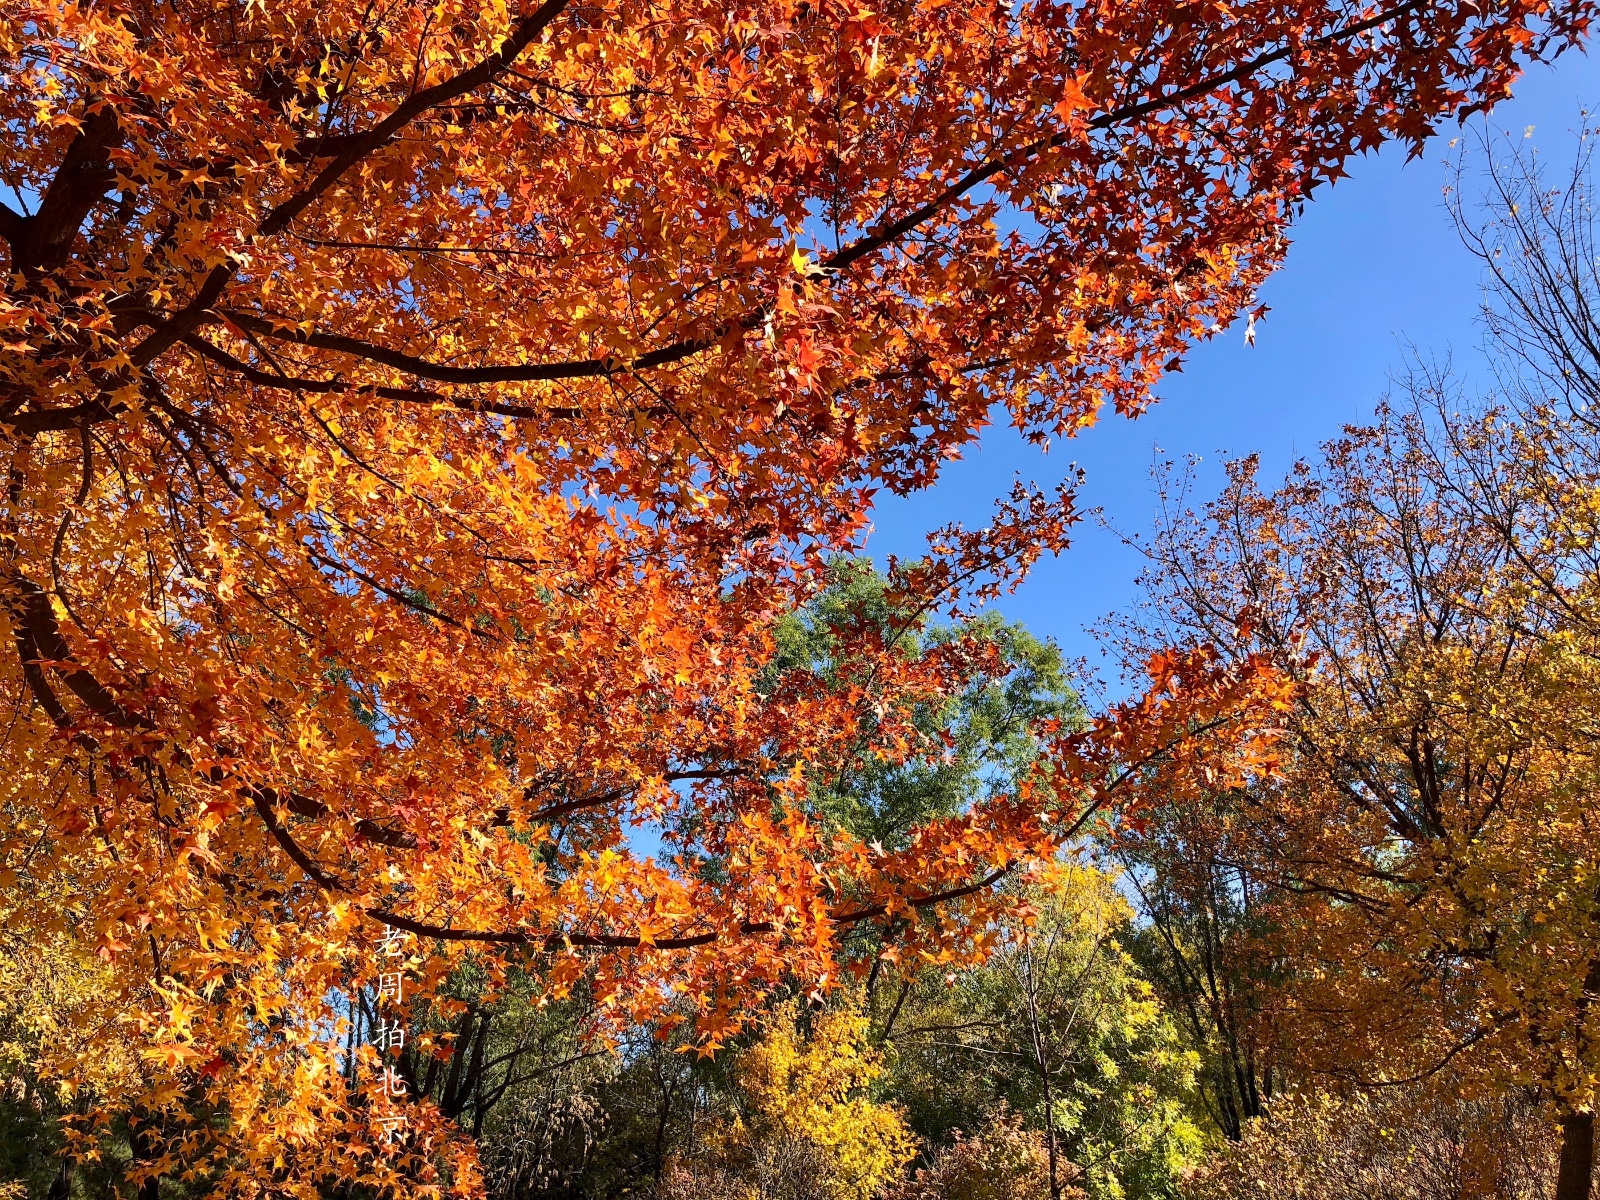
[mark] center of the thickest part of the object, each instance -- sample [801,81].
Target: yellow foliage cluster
[58,1021]
[807,1111]
[1403,1144]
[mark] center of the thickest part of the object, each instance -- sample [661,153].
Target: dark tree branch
[39,633]
[587,368]
[361,145]
[186,320]
[337,386]
[13,225]
[886,232]
[43,241]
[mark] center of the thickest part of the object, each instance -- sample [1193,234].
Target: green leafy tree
[1061,1027]
[557,1125]
[988,730]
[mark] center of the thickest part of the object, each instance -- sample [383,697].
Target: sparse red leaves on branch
[415,420]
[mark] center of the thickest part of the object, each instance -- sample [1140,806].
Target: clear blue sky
[1375,264]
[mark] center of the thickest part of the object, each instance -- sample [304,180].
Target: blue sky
[1375,267]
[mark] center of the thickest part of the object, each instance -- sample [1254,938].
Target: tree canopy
[1412,898]
[419,419]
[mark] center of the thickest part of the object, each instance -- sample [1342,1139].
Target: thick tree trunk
[1576,1172]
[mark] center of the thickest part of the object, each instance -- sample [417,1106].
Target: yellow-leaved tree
[64,1043]
[1429,855]
[806,1124]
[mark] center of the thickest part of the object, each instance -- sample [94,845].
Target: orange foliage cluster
[416,417]
[1424,858]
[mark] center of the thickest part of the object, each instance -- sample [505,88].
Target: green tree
[611,1126]
[1061,1027]
[988,730]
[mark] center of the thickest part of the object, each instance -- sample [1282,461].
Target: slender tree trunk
[1041,1056]
[1050,1140]
[61,1185]
[144,1147]
[1575,1175]
[1576,1172]
[664,1097]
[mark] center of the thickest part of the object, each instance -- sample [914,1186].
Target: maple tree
[417,419]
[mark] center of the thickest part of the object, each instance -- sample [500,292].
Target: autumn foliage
[417,418]
[1423,864]
[807,1128]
